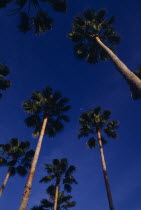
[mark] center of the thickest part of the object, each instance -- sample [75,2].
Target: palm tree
[95,122]
[60,172]
[95,38]
[46,111]
[64,202]
[17,156]
[32,14]
[4,84]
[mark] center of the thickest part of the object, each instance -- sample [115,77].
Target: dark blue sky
[36,62]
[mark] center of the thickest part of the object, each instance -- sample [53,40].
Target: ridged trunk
[109,194]
[5,181]
[56,197]
[133,81]
[28,185]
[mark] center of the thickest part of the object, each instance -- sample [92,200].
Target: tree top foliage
[50,104]
[86,27]
[33,14]
[4,83]
[95,120]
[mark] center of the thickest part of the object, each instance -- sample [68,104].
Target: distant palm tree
[46,111]
[95,122]
[90,31]
[60,172]
[64,202]
[17,156]
[32,14]
[4,84]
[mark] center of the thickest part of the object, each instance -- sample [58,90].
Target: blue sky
[36,62]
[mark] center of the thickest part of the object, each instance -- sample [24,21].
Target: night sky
[48,60]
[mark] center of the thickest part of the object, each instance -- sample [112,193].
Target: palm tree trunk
[56,197]
[5,181]
[109,194]
[133,81]
[28,185]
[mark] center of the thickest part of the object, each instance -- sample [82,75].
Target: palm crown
[95,120]
[63,202]
[4,84]
[17,156]
[32,15]
[46,104]
[60,172]
[86,27]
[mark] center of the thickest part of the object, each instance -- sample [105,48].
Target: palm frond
[31,107]
[4,84]
[25,23]
[67,188]
[33,121]
[47,179]
[21,170]
[42,22]
[91,143]
[4,71]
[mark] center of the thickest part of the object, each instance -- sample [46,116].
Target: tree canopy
[85,28]
[33,14]
[48,104]
[94,120]
[17,156]
[60,172]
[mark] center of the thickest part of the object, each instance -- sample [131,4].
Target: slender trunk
[56,197]
[109,194]
[133,81]
[5,181]
[28,185]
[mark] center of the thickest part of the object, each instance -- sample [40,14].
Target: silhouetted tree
[64,201]
[60,172]
[33,13]
[95,38]
[94,122]
[17,157]
[46,111]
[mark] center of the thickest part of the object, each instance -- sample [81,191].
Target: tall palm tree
[17,157]
[95,38]
[4,83]
[64,201]
[33,13]
[60,172]
[95,122]
[47,113]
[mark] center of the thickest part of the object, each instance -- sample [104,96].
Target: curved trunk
[5,181]
[56,197]
[28,185]
[109,195]
[133,81]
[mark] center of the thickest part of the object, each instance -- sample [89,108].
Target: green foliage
[33,15]
[86,27]
[64,202]
[46,104]
[60,172]
[17,156]
[4,72]
[94,120]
